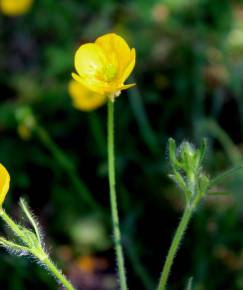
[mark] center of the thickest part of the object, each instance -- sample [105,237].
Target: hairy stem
[113,198]
[38,252]
[174,247]
[12,225]
[57,274]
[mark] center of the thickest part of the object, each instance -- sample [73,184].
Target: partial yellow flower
[15,7]
[4,183]
[104,66]
[83,98]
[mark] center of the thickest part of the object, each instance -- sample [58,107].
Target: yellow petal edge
[4,183]
[84,99]
[15,7]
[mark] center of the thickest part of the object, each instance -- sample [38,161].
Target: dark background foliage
[189,85]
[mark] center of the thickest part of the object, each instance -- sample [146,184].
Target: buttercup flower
[104,66]
[15,7]
[4,183]
[83,98]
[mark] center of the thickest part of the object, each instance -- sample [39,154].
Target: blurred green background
[189,77]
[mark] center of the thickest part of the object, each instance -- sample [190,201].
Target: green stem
[12,225]
[57,273]
[174,247]
[40,254]
[68,166]
[113,199]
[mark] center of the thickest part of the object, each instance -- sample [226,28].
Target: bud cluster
[186,162]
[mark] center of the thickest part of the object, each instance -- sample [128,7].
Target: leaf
[14,248]
[31,219]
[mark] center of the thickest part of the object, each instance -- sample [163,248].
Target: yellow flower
[83,98]
[104,66]
[15,7]
[4,183]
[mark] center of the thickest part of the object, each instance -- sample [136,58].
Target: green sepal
[178,179]
[203,183]
[30,239]
[172,154]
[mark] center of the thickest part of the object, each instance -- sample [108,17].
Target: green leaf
[13,247]
[30,218]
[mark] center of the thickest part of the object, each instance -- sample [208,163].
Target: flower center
[110,72]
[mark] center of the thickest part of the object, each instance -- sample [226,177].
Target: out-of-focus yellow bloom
[4,183]
[87,264]
[90,264]
[24,132]
[15,7]
[83,98]
[104,66]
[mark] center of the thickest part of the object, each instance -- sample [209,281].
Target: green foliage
[189,85]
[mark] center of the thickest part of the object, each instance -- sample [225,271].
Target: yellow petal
[84,99]
[15,7]
[91,84]
[125,87]
[115,47]
[90,63]
[89,60]
[4,183]
[77,78]
[127,71]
